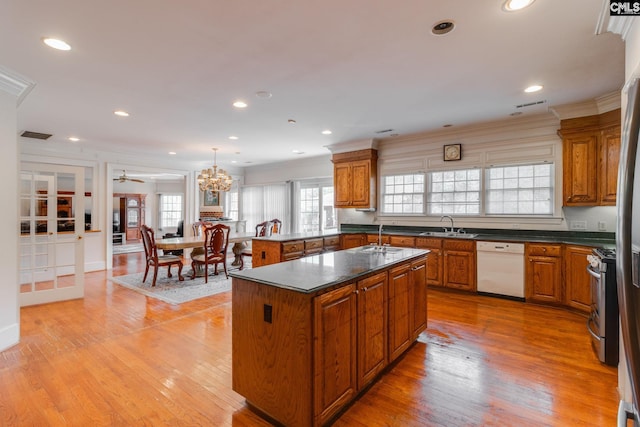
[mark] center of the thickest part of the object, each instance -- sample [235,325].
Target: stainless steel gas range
[603,321]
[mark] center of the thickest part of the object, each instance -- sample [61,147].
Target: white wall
[9,161]
[310,167]
[509,141]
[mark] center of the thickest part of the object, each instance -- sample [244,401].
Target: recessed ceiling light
[56,43]
[326,132]
[263,94]
[121,113]
[513,5]
[234,161]
[172,153]
[233,137]
[442,27]
[533,88]
[240,104]
[74,139]
[291,121]
[448,125]
[297,152]
[515,113]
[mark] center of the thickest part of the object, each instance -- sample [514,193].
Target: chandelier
[214,179]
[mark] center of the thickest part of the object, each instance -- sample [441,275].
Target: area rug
[170,289]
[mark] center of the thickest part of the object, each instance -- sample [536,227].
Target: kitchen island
[310,335]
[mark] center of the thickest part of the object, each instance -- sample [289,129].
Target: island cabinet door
[372,327]
[335,377]
[400,310]
[418,296]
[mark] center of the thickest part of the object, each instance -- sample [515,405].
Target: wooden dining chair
[266,228]
[216,242]
[154,260]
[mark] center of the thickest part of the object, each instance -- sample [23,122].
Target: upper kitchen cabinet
[590,152]
[354,179]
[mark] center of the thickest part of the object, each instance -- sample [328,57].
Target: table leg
[237,249]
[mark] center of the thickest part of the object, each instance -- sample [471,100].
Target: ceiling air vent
[35,135]
[531,104]
[384,131]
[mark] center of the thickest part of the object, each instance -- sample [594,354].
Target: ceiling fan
[125,178]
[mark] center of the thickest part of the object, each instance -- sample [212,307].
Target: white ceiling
[355,67]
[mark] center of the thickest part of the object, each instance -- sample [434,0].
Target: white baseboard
[9,336]
[95,266]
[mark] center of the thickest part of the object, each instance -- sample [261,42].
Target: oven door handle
[593,273]
[593,334]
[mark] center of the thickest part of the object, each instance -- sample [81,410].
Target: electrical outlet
[578,225]
[602,226]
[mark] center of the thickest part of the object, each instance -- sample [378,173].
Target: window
[231,201]
[454,192]
[266,202]
[170,210]
[520,190]
[316,211]
[403,194]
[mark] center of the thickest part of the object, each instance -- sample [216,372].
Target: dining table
[189,242]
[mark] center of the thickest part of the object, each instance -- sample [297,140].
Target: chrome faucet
[450,219]
[380,235]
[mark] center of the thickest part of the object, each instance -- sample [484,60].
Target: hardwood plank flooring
[120,358]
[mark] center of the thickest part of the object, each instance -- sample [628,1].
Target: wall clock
[452,152]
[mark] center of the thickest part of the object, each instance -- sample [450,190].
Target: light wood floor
[119,358]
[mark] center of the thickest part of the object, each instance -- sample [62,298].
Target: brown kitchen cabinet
[266,251]
[348,241]
[407,305]
[372,327]
[459,264]
[590,156]
[543,273]
[373,239]
[331,243]
[434,260]
[335,351]
[354,179]
[402,241]
[400,304]
[577,290]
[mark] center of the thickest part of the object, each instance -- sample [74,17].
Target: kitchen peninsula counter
[309,335]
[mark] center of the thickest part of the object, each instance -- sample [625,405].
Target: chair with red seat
[155,260]
[216,242]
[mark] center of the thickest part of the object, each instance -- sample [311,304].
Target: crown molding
[614,24]
[15,84]
[591,107]
[348,146]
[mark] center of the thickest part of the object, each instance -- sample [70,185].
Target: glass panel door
[51,242]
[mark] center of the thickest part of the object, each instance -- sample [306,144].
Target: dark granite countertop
[313,273]
[585,238]
[298,236]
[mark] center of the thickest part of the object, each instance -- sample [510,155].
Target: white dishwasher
[501,268]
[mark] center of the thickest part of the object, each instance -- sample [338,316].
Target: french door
[51,244]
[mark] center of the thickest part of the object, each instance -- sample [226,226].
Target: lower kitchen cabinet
[335,351]
[543,273]
[400,304]
[434,260]
[348,241]
[372,327]
[418,295]
[577,290]
[460,264]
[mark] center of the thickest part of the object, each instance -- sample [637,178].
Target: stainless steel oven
[603,319]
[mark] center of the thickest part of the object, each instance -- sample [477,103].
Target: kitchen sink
[448,234]
[379,249]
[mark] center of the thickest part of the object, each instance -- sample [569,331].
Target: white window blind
[520,190]
[454,192]
[266,202]
[403,194]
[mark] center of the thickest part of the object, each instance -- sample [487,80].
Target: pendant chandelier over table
[214,179]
